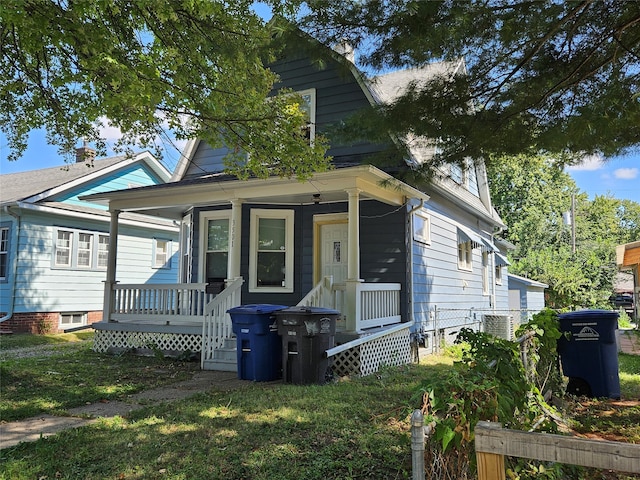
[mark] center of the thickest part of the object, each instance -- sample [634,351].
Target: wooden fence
[494,442]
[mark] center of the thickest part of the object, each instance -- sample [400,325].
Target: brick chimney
[85,154]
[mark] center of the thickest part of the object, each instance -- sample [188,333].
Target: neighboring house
[526,295]
[54,246]
[628,260]
[358,239]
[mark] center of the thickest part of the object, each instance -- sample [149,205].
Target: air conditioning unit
[498,325]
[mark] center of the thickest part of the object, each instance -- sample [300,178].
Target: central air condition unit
[498,325]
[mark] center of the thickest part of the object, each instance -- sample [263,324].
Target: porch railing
[377,304]
[217,322]
[159,302]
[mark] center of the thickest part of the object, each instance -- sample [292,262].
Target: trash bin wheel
[578,387]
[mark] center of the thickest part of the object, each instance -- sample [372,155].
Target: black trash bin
[257,341]
[306,333]
[589,352]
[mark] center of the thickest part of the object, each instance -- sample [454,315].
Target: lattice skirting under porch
[103,340]
[367,358]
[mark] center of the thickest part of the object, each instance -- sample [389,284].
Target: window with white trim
[214,242]
[4,253]
[80,249]
[422,227]
[485,273]
[498,275]
[70,320]
[308,107]
[161,253]
[465,255]
[271,251]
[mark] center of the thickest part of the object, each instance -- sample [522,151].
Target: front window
[214,243]
[78,249]
[271,255]
[4,252]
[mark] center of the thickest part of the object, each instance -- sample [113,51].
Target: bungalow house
[357,239]
[53,246]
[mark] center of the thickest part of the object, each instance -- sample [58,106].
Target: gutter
[15,237]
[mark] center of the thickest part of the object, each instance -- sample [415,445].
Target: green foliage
[194,68]
[532,195]
[542,352]
[488,383]
[540,76]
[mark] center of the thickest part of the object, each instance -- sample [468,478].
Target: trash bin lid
[302,310]
[255,309]
[590,315]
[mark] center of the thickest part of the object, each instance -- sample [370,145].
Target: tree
[534,196]
[191,68]
[544,76]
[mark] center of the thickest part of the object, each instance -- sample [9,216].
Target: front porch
[184,318]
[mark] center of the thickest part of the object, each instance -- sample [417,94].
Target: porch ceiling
[172,200]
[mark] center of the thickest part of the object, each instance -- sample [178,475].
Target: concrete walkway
[31,429]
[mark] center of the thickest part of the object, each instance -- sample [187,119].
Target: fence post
[490,465]
[417,445]
[436,333]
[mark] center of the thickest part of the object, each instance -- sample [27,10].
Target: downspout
[410,269]
[14,263]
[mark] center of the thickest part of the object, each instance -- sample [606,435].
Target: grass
[355,428]
[24,340]
[75,375]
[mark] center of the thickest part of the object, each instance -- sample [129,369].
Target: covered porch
[191,315]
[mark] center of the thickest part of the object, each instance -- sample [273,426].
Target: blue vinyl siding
[338,95]
[136,175]
[41,288]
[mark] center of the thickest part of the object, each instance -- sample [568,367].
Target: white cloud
[626,173]
[588,163]
[109,132]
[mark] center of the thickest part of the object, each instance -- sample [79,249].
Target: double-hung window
[214,242]
[4,253]
[161,253]
[485,273]
[422,227]
[80,250]
[271,251]
[465,255]
[308,107]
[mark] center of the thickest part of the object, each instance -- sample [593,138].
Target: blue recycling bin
[259,350]
[589,352]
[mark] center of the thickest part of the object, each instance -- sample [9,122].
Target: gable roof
[36,185]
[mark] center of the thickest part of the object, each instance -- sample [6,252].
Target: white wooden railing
[377,304]
[217,323]
[159,302]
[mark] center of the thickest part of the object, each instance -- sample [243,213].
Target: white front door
[333,251]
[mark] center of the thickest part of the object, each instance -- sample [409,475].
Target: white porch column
[235,225]
[353,268]
[111,266]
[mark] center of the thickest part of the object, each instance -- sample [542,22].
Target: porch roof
[173,199]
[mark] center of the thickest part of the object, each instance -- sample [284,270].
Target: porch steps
[224,359]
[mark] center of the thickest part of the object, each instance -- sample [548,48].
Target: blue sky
[619,177]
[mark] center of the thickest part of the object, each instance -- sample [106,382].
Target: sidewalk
[31,429]
[629,342]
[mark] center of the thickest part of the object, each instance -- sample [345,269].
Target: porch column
[111,266]
[235,225]
[353,281]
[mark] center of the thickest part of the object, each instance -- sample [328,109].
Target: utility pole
[573,223]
